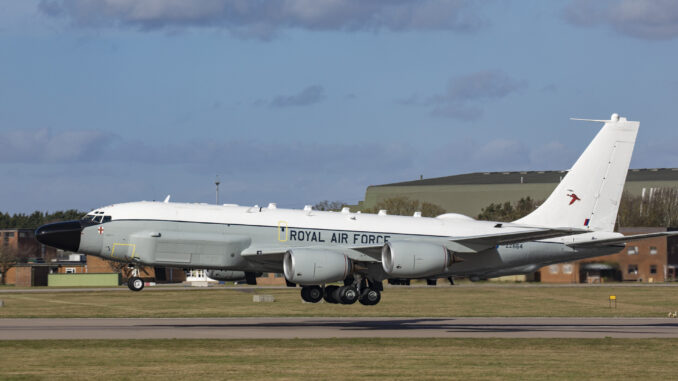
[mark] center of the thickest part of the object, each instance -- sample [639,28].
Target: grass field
[334,359]
[480,300]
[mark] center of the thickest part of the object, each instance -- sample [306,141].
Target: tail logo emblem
[573,197]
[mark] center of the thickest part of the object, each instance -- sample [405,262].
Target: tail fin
[589,195]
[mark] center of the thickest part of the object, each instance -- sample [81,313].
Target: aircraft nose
[62,235]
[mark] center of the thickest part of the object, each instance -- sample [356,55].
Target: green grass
[480,300]
[332,359]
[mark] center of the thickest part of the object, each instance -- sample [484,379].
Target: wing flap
[275,255]
[478,243]
[620,240]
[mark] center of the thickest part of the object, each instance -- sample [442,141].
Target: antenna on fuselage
[217,182]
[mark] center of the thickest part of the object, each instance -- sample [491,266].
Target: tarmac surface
[242,288]
[288,328]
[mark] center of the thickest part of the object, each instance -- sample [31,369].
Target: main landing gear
[365,292]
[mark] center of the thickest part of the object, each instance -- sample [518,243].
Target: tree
[329,205]
[508,211]
[9,257]
[35,219]
[654,207]
[404,206]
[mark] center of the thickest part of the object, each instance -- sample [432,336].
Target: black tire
[370,298]
[431,282]
[329,294]
[135,283]
[315,294]
[348,295]
[311,294]
[304,294]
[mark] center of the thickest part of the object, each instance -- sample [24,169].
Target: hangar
[651,260]
[469,193]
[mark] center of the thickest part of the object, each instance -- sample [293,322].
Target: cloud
[262,19]
[308,96]
[553,155]
[46,146]
[653,20]
[43,146]
[501,154]
[68,164]
[465,94]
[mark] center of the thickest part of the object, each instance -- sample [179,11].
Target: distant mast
[217,182]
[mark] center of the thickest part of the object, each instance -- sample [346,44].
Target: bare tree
[9,257]
[329,205]
[404,206]
[508,211]
[653,207]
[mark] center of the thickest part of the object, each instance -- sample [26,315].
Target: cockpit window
[97,218]
[87,217]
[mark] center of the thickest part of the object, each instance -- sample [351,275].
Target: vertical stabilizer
[589,195]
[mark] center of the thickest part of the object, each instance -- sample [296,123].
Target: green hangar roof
[538,177]
[469,193]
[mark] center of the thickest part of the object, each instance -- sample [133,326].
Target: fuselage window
[107,218]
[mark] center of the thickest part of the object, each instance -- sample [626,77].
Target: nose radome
[62,235]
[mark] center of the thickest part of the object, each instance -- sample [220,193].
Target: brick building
[36,261]
[648,260]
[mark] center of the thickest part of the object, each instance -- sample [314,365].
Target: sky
[299,101]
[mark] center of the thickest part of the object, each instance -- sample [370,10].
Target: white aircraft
[315,249]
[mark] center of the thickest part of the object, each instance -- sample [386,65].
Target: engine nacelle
[314,266]
[411,259]
[226,275]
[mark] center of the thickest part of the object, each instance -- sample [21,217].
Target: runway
[299,327]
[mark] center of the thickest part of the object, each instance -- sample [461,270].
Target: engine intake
[313,266]
[410,259]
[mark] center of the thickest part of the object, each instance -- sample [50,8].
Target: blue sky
[298,101]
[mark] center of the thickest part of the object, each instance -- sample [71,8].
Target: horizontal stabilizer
[478,243]
[619,240]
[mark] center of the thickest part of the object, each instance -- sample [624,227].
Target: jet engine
[314,266]
[411,259]
[226,276]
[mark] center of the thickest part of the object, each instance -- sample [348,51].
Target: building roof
[532,177]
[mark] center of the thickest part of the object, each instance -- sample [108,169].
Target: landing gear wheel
[370,298]
[135,284]
[329,294]
[347,294]
[311,294]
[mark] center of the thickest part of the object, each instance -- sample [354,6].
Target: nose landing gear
[134,282]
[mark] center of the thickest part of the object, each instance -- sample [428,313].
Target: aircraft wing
[474,244]
[275,255]
[619,240]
